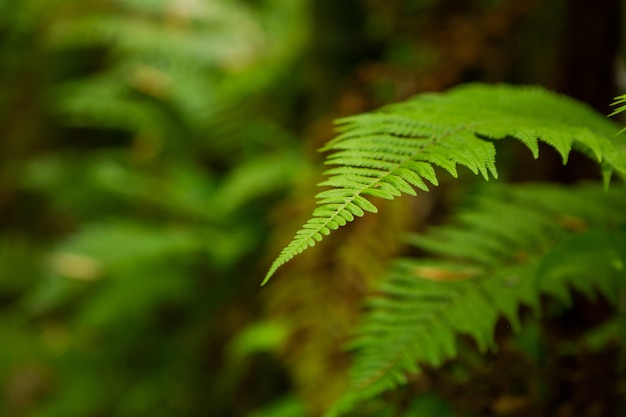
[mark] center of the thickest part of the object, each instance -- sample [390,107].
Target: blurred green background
[156,154]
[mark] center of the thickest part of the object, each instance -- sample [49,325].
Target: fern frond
[107,244]
[503,253]
[158,56]
[621,102]
[395,150]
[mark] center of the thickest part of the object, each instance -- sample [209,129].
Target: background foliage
[156,154]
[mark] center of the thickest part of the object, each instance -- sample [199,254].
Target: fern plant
[160,55]
[503,252]
[513,244]
[128,125]
[394,151]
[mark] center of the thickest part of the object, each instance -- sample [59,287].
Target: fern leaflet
[395,150]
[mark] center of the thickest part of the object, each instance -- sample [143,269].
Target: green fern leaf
[621,102]
[513,245]
[393,151]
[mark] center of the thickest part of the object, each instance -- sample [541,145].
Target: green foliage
[512,245]
[138,137]
[506,249]
[621,103]
[154,151]
[396,150]
[159,56]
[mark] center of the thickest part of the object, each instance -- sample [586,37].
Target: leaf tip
[268,276]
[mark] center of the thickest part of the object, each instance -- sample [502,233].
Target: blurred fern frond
[194,66]
[620,101]
[514,244]
[394,151]
[620,104]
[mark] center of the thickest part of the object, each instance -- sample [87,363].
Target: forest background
[155,156]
